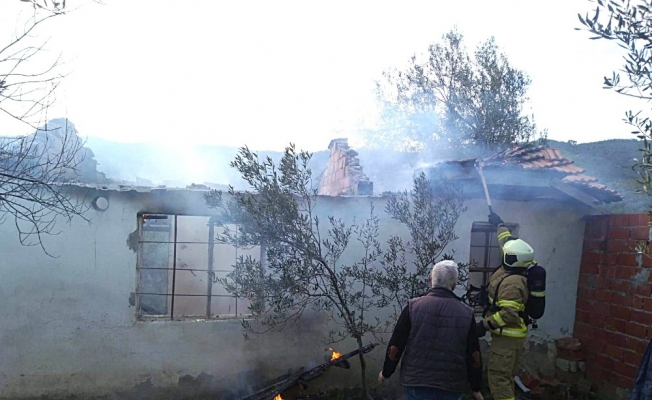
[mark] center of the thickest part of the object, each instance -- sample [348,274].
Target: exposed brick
[615,324]
[583,305]
[617,246]
[618,285]
[632,357]
[612,259]
[619,233]
[619,312]
[571,355]
[647,304]
[641,219]
[622,382]
[624,272]
[607,271]
[644,289]
[636,345]
[627,259]
[594,245]
[605,362]
[640,317]
[614,352]
[636,330]
[587,267]
[569,343]
[621,299]
[601,309]
[603,296]
[647,260]
[617,220]
[582,329]
[626,370]
[640,233]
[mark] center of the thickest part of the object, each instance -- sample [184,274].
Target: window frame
[487,229]
[171,292]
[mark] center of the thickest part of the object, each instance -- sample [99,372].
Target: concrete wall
[69,327]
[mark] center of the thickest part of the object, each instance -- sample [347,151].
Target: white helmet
[518,254]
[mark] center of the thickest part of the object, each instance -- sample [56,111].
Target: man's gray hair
[445,274]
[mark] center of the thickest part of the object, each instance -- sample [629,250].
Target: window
[178,263]
[485,252]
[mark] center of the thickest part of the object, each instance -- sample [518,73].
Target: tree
[454,100]
[629,23]
[304,266]
[34,168]
[429,212]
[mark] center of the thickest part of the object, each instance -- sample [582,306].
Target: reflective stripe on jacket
[511,298]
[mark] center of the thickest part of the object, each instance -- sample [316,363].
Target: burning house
[130,305]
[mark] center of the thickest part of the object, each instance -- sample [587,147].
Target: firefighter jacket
[511,298]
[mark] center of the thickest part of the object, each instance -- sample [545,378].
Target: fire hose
[478,166]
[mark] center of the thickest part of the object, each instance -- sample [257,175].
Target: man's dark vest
[436,352]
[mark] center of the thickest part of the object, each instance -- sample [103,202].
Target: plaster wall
[69,326]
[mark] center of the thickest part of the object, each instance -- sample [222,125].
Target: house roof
[543,159]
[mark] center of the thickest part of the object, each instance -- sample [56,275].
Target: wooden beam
[578,195]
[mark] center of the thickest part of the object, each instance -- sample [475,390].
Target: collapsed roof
[528,167]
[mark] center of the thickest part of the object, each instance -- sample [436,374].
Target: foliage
[629,23]
[33,168]
[429,212]
[304,267]
[454,100]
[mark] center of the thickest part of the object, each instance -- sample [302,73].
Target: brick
[621,299]
[619,312]
[640,317]
[618,220]
[607,271]
[640,233]
[624,272]
[647,304]
[586,293]
[571,355]
[603,283]
[582,316]
[612,259]
[617,325]
[614,352]
[603,296]
[636,345]
[628,259]
[595,245]
[647,260]
[588,267]
[619,233]
[626,370]
[641,219]
[582,329]
[644,289]
[617,246]
[619,285]
[632,357]
[636,330]
[583,305]
[601,309]
[622,382]
[568,343]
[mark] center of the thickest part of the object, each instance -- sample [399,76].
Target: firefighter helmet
[518,254]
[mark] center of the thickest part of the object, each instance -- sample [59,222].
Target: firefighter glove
[482,330]
[494,219]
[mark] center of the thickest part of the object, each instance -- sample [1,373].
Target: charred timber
[300,378]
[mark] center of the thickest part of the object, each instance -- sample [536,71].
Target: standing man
[505,319]
[437,339]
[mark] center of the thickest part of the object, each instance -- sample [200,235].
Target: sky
[267,73]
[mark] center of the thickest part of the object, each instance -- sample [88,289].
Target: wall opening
[485,253]
[179,262]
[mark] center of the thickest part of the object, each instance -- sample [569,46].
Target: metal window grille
[178,264]
[485,252]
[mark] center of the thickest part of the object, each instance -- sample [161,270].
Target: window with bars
[485,252]
[179,261]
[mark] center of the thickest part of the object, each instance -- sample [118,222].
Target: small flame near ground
[278,397]
[335,354]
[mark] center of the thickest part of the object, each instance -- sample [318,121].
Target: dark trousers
[424,393]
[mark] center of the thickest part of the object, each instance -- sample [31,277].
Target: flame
[278,397]
[335,355]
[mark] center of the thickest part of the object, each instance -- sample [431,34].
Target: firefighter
[505,316]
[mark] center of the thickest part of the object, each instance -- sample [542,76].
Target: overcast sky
[264,73]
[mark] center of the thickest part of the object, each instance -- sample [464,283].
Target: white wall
[67,325]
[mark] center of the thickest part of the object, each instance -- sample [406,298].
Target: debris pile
[343,175]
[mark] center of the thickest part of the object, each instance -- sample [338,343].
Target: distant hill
[151,164]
